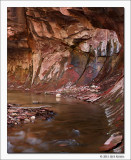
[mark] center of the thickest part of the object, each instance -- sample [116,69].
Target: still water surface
[78,127]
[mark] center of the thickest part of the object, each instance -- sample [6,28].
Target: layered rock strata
[52,47]
[77,52]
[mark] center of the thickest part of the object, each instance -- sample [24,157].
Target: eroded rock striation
[54,46]
[68,50]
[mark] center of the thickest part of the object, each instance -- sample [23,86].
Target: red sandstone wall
[51,47]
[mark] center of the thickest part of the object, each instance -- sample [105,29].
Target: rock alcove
[69,50]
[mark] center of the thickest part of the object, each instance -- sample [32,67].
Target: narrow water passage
[78,127]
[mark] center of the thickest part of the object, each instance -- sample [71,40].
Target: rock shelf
[20,115]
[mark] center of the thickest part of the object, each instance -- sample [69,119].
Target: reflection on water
[78,127]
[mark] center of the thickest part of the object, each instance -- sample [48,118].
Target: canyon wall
[52,49]
[49,48]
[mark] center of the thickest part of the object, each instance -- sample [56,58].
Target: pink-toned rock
[11,111]
[64,10]
[26,121]
[14,114]
[112,142]
[29,114]
[10,105]
[102,38]
[62,145]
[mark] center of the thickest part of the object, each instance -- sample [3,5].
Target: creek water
[78,127]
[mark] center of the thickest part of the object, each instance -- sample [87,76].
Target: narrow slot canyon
[65,80]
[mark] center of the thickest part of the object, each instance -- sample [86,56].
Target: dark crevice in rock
[88,59]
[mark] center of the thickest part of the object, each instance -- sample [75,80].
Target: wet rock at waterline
[112,142]
[85,93]
[32,118]
[20,115]
[35,102]
[26,120]
[76,132]
[64,143]
[58,95]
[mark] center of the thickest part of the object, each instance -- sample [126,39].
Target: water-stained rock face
[101,42]
[77,52]
[52,47]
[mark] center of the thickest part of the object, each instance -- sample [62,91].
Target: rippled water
[78,127]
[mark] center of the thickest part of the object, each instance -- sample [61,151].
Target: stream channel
[77,127]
